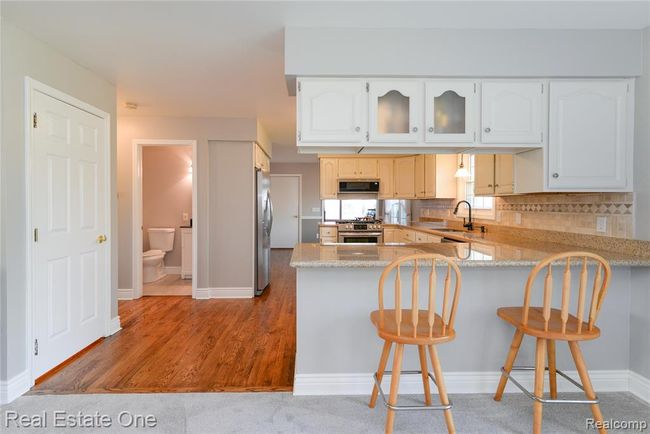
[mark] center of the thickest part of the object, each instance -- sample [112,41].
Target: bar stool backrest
[425,262]
[598,288]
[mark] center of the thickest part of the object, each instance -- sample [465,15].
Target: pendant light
[461,172]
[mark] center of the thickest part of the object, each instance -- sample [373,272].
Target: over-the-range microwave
[359,187]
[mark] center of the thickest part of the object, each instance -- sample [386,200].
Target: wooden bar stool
[413,326]
[548,325]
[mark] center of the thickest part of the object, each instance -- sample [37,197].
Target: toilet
[161,241]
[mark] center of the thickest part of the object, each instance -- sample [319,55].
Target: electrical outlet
[517,218]
[601,224]
[186,216]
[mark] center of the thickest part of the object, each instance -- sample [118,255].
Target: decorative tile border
[575,208]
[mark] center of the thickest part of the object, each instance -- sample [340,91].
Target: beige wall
[23,55]
[310,194]
[160,127]
[166,193]
[642,145]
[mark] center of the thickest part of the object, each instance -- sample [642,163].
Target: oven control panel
[360,226]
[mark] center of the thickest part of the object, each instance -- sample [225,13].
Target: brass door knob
[101,239]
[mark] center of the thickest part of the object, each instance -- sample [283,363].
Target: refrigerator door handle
[270,205]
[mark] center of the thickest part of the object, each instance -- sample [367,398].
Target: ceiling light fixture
[461,172]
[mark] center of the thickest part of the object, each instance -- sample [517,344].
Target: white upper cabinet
[395,111]
[511,112]
[449,111]
[590,135]
[332,110]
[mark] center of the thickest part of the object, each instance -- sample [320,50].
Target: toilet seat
[152,253]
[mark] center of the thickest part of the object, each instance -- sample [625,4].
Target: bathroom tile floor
[172,284]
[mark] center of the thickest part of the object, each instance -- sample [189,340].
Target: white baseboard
[456,382]
[640,386]
[114,326]
[14,387]
[125,294]
[172,270]
[205,293]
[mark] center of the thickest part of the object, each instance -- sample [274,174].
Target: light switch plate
[601,224]
[517,218]
[186,216]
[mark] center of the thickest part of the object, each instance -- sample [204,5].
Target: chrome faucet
[469,225]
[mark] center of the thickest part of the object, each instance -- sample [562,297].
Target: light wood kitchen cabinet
[329,169]
[425,176]
[483,174]
[332,110]
[262,160]
[450,111]
[504,176]
[405,177]
[186,253]
[395,111]
[392,235]
[328,234]
[423,237]
[590,135]
[494,175]
[419,177]
[511,112]
[358,168]
[386,178]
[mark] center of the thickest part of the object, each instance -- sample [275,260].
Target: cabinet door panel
[328,178]
[405,177]
[419,176]
[386,178]
[588,128]
[332,110]
[449,111]
[348,168]
[430,175]
[504,176]
[511,112]
[484,174]
[367,168]
[395,111]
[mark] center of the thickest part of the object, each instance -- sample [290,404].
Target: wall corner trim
[640,386]
[114,326]
[14,387]
[125,294]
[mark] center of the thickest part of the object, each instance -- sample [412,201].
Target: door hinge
[35,120]
[542,87]
[36,235]
[474,136]
[367,87]
[299,136]
[298,86]
[628,88]
[541,136]
[474,87]
[36,347]
[367,136]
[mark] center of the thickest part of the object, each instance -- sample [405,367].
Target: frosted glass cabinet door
[332,110]
[450,111]
[590,124]
[395,110]
[511,112]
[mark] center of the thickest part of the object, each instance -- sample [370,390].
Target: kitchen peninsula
[338,349]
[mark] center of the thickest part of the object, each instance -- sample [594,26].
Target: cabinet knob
[496,185]
[556,175]
[430,129]
[415,129]
[489,185]
[487,129]
[357,129]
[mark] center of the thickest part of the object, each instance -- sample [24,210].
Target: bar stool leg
[442,390]
[380,372]
[586,382]
[552,376]
[540,366]
[425,375]
[394,386]
[510,360]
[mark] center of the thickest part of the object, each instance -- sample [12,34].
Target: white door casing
[285,190]
[69,197]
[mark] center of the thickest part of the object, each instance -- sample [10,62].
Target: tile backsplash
[565,212]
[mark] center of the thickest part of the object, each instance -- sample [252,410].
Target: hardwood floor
[177,344]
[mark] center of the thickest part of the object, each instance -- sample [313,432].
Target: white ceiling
[186,58]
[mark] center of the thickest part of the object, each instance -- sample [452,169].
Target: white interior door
[69,259]
[285,191]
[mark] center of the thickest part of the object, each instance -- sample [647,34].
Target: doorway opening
[164,218]
[286,231]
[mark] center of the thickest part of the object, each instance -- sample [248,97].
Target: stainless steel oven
[360,232]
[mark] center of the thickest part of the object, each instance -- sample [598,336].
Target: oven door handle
[358,234]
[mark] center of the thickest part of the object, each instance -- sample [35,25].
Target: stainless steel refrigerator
[263,224]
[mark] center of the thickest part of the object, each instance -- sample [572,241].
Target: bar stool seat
[535,325]
[423,335]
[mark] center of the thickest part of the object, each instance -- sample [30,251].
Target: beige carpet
[172,284]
